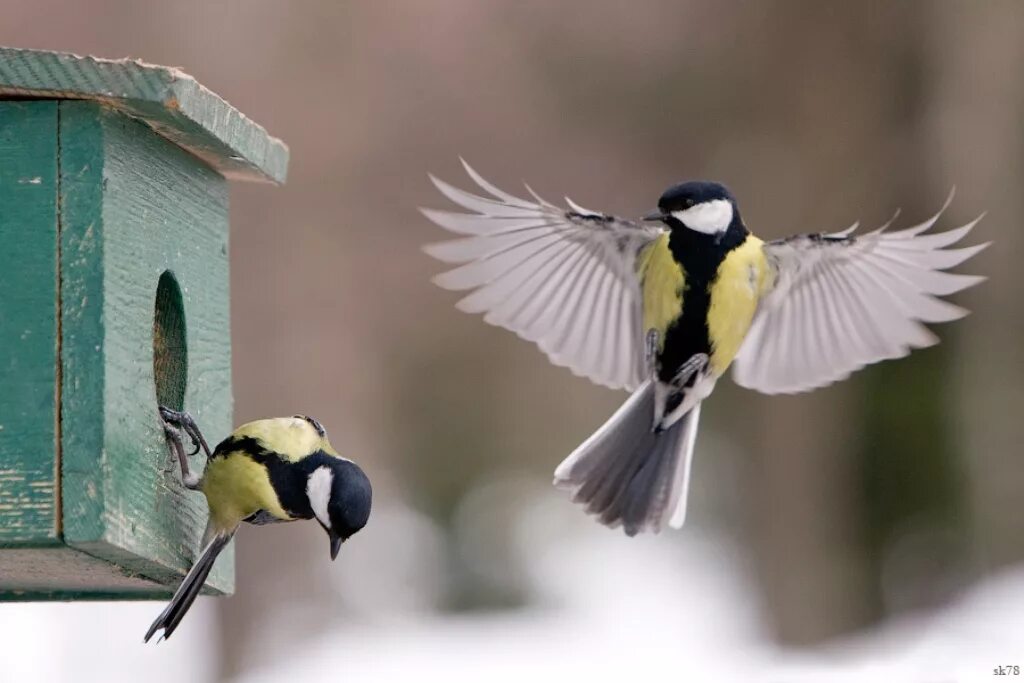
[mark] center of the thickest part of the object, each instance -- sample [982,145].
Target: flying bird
[663,306]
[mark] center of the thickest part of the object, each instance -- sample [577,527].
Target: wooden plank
[168,100]
[33,564]
[63,573]
[28,324]
[134,206]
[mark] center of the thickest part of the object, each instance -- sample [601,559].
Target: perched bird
[662,308]
[275,470]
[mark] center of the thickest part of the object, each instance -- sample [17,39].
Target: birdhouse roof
[167,99]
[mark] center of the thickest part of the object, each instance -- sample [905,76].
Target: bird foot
[651,350]
[690,368]
[186,423]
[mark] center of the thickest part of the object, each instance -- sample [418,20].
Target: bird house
[113,299]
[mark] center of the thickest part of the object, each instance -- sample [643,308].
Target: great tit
[663,306]
[276,470]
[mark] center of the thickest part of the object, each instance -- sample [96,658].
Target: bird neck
[700,254]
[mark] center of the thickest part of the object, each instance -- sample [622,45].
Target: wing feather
[563,278]
[840,301]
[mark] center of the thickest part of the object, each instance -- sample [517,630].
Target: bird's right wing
[563,278]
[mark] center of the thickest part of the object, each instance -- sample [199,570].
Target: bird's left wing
[563,278]
[837,302]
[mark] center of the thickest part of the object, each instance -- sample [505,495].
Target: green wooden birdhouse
[113,298]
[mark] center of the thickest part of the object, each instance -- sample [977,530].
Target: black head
[686,195]
[698,205]
[340,496]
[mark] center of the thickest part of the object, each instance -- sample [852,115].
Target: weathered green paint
[28,324]
[133,206]
[169,101]
[112,180]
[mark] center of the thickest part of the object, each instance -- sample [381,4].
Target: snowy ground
[680,612]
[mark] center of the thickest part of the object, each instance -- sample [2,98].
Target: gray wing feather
[564,279]
[841,301]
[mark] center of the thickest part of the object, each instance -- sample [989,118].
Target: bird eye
[689,202]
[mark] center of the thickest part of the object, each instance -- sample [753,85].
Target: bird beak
[656,215]
[336,541]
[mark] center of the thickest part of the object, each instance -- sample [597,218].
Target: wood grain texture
[28,323]
[134,205]
[63,573]
[168,100]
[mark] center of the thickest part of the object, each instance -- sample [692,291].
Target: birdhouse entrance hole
[170,351]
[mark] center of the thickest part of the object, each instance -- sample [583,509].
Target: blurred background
[868,531]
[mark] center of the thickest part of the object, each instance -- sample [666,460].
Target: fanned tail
[627,474]
[189,588]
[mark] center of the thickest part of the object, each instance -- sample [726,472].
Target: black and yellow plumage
[664,307]
[273,470]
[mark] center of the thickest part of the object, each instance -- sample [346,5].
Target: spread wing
[563,278]
[841,301]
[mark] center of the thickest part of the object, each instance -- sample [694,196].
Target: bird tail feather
[627,474]
[189,588]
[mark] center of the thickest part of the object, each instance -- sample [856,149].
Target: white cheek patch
[709,218]
[318,490]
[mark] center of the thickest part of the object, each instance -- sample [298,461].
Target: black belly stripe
[689,335]
[700,256]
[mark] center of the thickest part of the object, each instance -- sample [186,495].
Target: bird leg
[176,422]
[190,480]
[651,350]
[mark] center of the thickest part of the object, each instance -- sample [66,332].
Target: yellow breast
[740,280]
[236,487]
[663,284]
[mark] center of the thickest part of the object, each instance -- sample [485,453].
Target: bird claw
[691,367]
[187,424]
[175,422]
